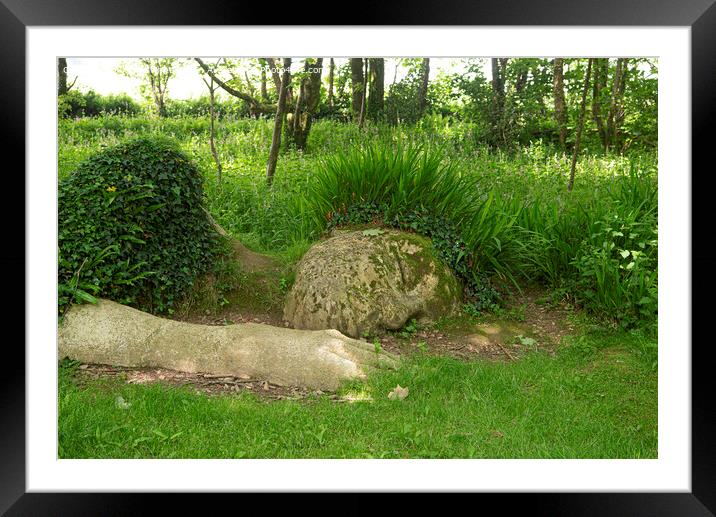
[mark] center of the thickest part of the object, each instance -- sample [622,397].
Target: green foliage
[75,104]
[522,222]
[528,113]
[408,330]
[401,102]
[132,226]
[201,107]
[618,270]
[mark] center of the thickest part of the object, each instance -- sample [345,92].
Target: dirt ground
[526,323]
[200,382]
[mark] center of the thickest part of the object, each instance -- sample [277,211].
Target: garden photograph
[357,257]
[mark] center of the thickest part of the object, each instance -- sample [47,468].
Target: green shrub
[77,104]
[132,226]
[618,273]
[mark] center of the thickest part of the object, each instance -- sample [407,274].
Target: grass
[512,210]
[595,399]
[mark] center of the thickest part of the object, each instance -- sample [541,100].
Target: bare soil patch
[200,382]
[525,324]
[251,261]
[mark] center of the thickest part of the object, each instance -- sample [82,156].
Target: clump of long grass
[404,177]
[397,176]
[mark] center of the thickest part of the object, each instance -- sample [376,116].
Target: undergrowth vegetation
[132,226]
[490,213]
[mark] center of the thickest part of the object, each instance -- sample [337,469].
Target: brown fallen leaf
[398,393]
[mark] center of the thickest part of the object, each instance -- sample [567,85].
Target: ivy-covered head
[132,226]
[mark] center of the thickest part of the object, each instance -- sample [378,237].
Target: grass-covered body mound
[599,245]
[132,226]
[412,188]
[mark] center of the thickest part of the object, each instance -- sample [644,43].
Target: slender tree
[423,90]
[376,97]
[601,70]
[560,109]
[264,89]
[580,125]
[364,94]
[615,104]
[62,86]
[331,80]
[619,114]
[356,86]
[278,121]
[155,74]
[395,72]
[211,85]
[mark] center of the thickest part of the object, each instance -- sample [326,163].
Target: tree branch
[274,72]
[258,106]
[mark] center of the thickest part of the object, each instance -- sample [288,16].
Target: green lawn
[597,398]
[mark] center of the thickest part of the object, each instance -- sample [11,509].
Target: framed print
[425,261]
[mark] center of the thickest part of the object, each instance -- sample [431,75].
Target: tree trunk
[619,115]
[61,76]
[62,86]
[560,110]
[423,90]
[331,74]
[615,104]
[357,86]
[601,67]
[377,87]
[264,90]
[212,114]
[111,333]
[498,96]
[580,126]
[364,96]
[278,121]
[309,95]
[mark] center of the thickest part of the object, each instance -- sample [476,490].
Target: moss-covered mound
[132,226]
[360,282]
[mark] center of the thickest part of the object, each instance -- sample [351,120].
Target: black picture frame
[699,15]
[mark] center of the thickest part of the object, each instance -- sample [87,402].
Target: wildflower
[112,189]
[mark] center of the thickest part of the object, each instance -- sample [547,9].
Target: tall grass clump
[398,177]
[415,187]
[599,243]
